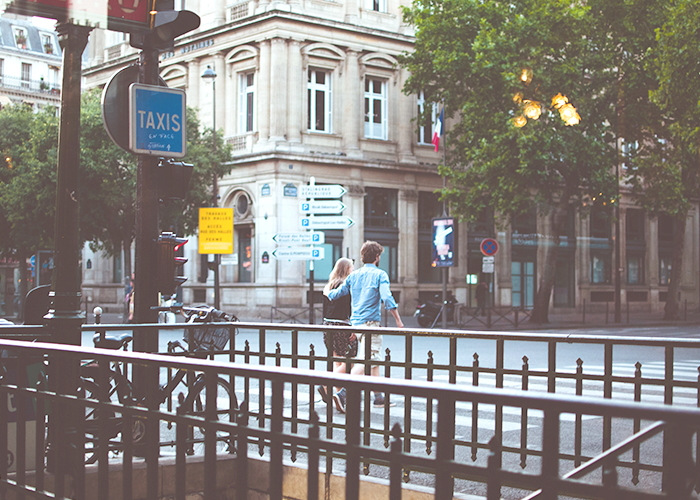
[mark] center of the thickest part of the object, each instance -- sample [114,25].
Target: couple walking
[354,297]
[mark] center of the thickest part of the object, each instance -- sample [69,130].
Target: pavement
[556,321]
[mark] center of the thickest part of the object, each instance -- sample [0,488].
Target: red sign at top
[119,15]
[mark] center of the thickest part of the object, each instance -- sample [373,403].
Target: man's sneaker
[323,393]
[380,401]
[339,398]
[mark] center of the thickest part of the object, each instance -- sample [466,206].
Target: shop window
[429,206]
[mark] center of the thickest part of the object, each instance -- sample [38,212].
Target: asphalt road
[686,367]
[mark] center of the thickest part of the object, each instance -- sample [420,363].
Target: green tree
[27,183]
[107,190]
[486,62]
[666,174]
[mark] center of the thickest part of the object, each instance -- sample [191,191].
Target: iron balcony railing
[552,363]
[29,85]
[278,433]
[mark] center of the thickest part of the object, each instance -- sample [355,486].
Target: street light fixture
[210,74]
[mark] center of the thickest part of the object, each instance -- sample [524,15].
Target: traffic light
[169,264]
[166,25]
[173,179]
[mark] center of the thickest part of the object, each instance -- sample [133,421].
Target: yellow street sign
[216,230]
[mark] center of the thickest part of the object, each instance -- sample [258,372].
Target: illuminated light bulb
[559,100]
[569,115]
[532,109]
[519,121]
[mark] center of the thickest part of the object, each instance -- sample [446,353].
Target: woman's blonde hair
[343,267]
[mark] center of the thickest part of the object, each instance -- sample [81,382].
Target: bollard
[97,312]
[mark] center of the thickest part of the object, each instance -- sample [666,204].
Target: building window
[21,38]
[666,231]
[245,255]
[375,109]
[2,69]
[377,5]
[47,43]
[319,101]
[246,102]
[635,246]
[117,268]
[600,246]
[381,206]
[26,75]
[429,206]
[381,225]
[425,123]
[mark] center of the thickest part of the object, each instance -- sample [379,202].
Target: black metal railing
[278,434]
[552,363]
[28,85]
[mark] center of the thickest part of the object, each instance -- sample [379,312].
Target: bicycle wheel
[90,390]
[226,404]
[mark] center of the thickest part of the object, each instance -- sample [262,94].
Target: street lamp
[210,74]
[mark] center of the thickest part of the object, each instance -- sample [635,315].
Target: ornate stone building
[311,88]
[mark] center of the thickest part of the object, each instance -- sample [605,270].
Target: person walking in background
[337,313]
[368,287]
[482,291]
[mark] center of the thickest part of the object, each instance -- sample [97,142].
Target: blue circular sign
[489,247]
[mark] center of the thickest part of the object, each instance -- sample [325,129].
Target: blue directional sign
[157,121]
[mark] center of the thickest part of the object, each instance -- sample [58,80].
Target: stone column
[354,199]
[352,110]
[406,126]
[219,14]
[408,224]
[263,88]
[221,94]
[295,91]
[352,11]
[193,77]
[278,93]
[652,261]
[231,82]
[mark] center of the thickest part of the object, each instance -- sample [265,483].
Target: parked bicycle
[190,387]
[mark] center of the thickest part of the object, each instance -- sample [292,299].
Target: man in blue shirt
[368,287]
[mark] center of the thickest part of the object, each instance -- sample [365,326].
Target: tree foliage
[484,61]
[107,189]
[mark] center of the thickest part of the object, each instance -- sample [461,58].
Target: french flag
[437,127]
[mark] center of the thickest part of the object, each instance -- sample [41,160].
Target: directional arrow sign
[310,238]
[329,222]
[299,253]
[323,191]
[322,207]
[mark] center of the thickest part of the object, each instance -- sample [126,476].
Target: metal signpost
[310,238]
[299,253]
[330,222]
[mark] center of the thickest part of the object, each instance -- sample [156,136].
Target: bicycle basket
[210,337]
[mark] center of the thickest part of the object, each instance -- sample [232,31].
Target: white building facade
[312,88]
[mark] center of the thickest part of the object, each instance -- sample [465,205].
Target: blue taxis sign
[157,121]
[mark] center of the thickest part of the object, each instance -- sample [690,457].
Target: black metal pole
[64,316]
[215,200]
[145,287]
